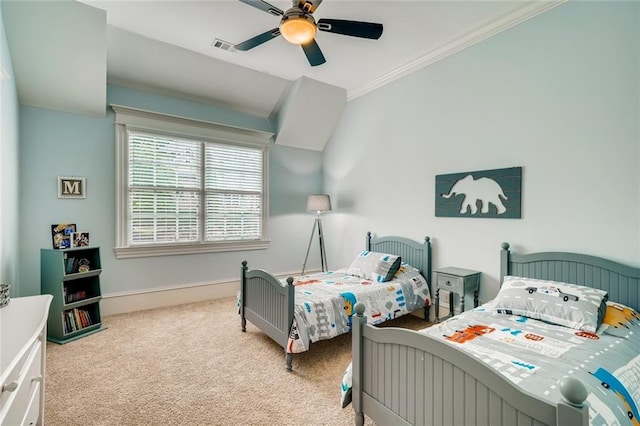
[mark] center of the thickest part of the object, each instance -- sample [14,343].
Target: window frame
[132,119]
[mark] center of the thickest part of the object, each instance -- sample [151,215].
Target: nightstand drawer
[451,283]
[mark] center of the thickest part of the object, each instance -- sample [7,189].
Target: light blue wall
[557,95]
[9,218]
[55,143]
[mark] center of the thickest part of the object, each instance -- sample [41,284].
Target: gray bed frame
[269,304]
[401,377]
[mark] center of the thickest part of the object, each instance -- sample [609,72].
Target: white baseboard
[120,303]
[131,301]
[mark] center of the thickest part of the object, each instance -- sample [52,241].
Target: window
[187,186]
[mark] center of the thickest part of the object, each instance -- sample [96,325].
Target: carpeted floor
[191,365]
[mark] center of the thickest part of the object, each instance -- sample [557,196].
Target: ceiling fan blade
[258,40]
[351,28]
[264,6]
[313,53]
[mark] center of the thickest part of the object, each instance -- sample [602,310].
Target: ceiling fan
[298,26]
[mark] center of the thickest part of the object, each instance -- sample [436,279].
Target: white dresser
[23,333]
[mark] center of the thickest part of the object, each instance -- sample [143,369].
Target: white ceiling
[166,45]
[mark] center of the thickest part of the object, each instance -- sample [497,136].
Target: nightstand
[459,281]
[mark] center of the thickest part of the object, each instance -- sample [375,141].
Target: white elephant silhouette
[484,189]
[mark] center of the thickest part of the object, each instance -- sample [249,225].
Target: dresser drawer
[12,379]
[28,380]
[22,355]
[450,283]
[32,415]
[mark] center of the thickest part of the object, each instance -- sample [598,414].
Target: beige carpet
[191,365]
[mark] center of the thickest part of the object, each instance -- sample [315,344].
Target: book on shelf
[69,264]
[75,296]
[76,319]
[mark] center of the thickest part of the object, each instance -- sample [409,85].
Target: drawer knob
[10,387]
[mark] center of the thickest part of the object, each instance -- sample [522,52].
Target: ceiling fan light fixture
[298,29]
[298,26]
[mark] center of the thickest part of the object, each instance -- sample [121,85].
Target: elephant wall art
[488,193]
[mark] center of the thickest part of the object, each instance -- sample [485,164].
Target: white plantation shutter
[233,187]
[187,186]
[164,189]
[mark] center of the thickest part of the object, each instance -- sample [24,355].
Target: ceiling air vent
[224,45]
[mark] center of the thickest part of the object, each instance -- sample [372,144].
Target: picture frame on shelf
[79,239]
[61,235]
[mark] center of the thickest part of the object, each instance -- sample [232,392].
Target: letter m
[71,187]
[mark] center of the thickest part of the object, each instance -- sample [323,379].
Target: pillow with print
[565,304]
[379,267]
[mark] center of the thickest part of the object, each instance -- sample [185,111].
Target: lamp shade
[319,203]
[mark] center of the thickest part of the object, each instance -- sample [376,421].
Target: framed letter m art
[72,187]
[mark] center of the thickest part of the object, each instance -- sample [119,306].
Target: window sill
[178,249]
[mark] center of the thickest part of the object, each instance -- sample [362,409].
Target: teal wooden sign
[488,193]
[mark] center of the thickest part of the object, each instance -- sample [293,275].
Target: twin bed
[499,365]
[559,345]
[295,313]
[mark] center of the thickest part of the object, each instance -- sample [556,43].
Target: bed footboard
[402,377]
[268,304]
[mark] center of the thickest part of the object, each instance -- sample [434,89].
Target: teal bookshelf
[72,277]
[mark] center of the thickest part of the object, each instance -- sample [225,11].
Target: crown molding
[495,26]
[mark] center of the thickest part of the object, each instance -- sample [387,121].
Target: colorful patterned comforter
[536,355]
[324,303]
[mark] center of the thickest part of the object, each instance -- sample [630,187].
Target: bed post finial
[244,263]
[290,280]
[573,391]
[505,267]
[359,308]
[427,239]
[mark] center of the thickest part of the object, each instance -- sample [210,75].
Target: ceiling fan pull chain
[307,7]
